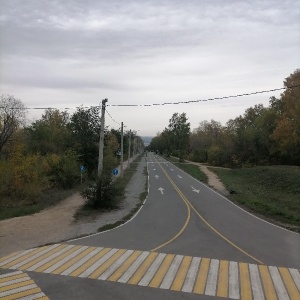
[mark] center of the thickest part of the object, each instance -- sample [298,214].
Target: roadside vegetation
[142,198]
[261,136]
[271,191]
[40,162]
[116,195]
[192,170]
[262,147]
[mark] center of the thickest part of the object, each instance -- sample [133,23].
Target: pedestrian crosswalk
[211,277]
[18,285]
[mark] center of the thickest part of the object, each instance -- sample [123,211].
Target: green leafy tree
[179,130]
[85,129]
[49,134]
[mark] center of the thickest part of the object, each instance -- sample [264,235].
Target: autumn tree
[287,132]
[12,115]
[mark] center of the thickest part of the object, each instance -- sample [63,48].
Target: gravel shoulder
[57,223]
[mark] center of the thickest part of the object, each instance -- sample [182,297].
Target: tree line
[48,153]
[262,135]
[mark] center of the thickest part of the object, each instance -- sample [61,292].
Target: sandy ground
[57,223]
[213,179]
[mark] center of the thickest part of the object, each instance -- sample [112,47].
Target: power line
[205,100]
[168,103]
[112,117]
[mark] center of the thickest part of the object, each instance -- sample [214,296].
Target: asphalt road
[215,227]
[182,221]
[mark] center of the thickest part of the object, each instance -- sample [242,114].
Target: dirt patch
[57,223]
[213,179]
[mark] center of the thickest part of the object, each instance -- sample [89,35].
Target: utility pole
[129,142]
[101,142]
[122,146]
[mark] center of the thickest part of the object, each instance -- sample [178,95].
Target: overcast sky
[67,53]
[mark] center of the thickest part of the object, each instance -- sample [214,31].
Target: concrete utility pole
[122,146]
[129,142]
[101,142]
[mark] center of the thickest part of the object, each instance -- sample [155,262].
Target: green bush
[64,170]
[103,194]
[214,156]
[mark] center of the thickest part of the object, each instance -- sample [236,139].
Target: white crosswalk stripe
[211,277]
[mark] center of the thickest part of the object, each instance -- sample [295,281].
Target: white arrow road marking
[179,176]
[194,190]
[154,169]
[171,169]
[156,176]
[161,190]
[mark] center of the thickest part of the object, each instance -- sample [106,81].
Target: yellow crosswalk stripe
[161,272]
[267,282]
[143,268]
[23,294]
[40,258]
[180,277]
[68,261]
[103,267]
[245,282]
[13,277]
[223,279]
[17,284]
[55,259]
[289,283]
[119,272]
[202,276]
[205,276]
[22,257]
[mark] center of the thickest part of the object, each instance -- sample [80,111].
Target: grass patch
[49,198]
[191,169]
[272,191]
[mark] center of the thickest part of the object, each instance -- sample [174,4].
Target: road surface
[186,242]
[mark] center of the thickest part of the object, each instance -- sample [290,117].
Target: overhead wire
[112,117]
[168,103]
[204,100]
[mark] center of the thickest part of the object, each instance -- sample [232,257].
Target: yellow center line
[187,202]
[187,219]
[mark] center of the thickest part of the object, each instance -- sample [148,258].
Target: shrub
[103,194]
[63,170]
[22,177]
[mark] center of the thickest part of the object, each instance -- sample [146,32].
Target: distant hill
[147,140]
